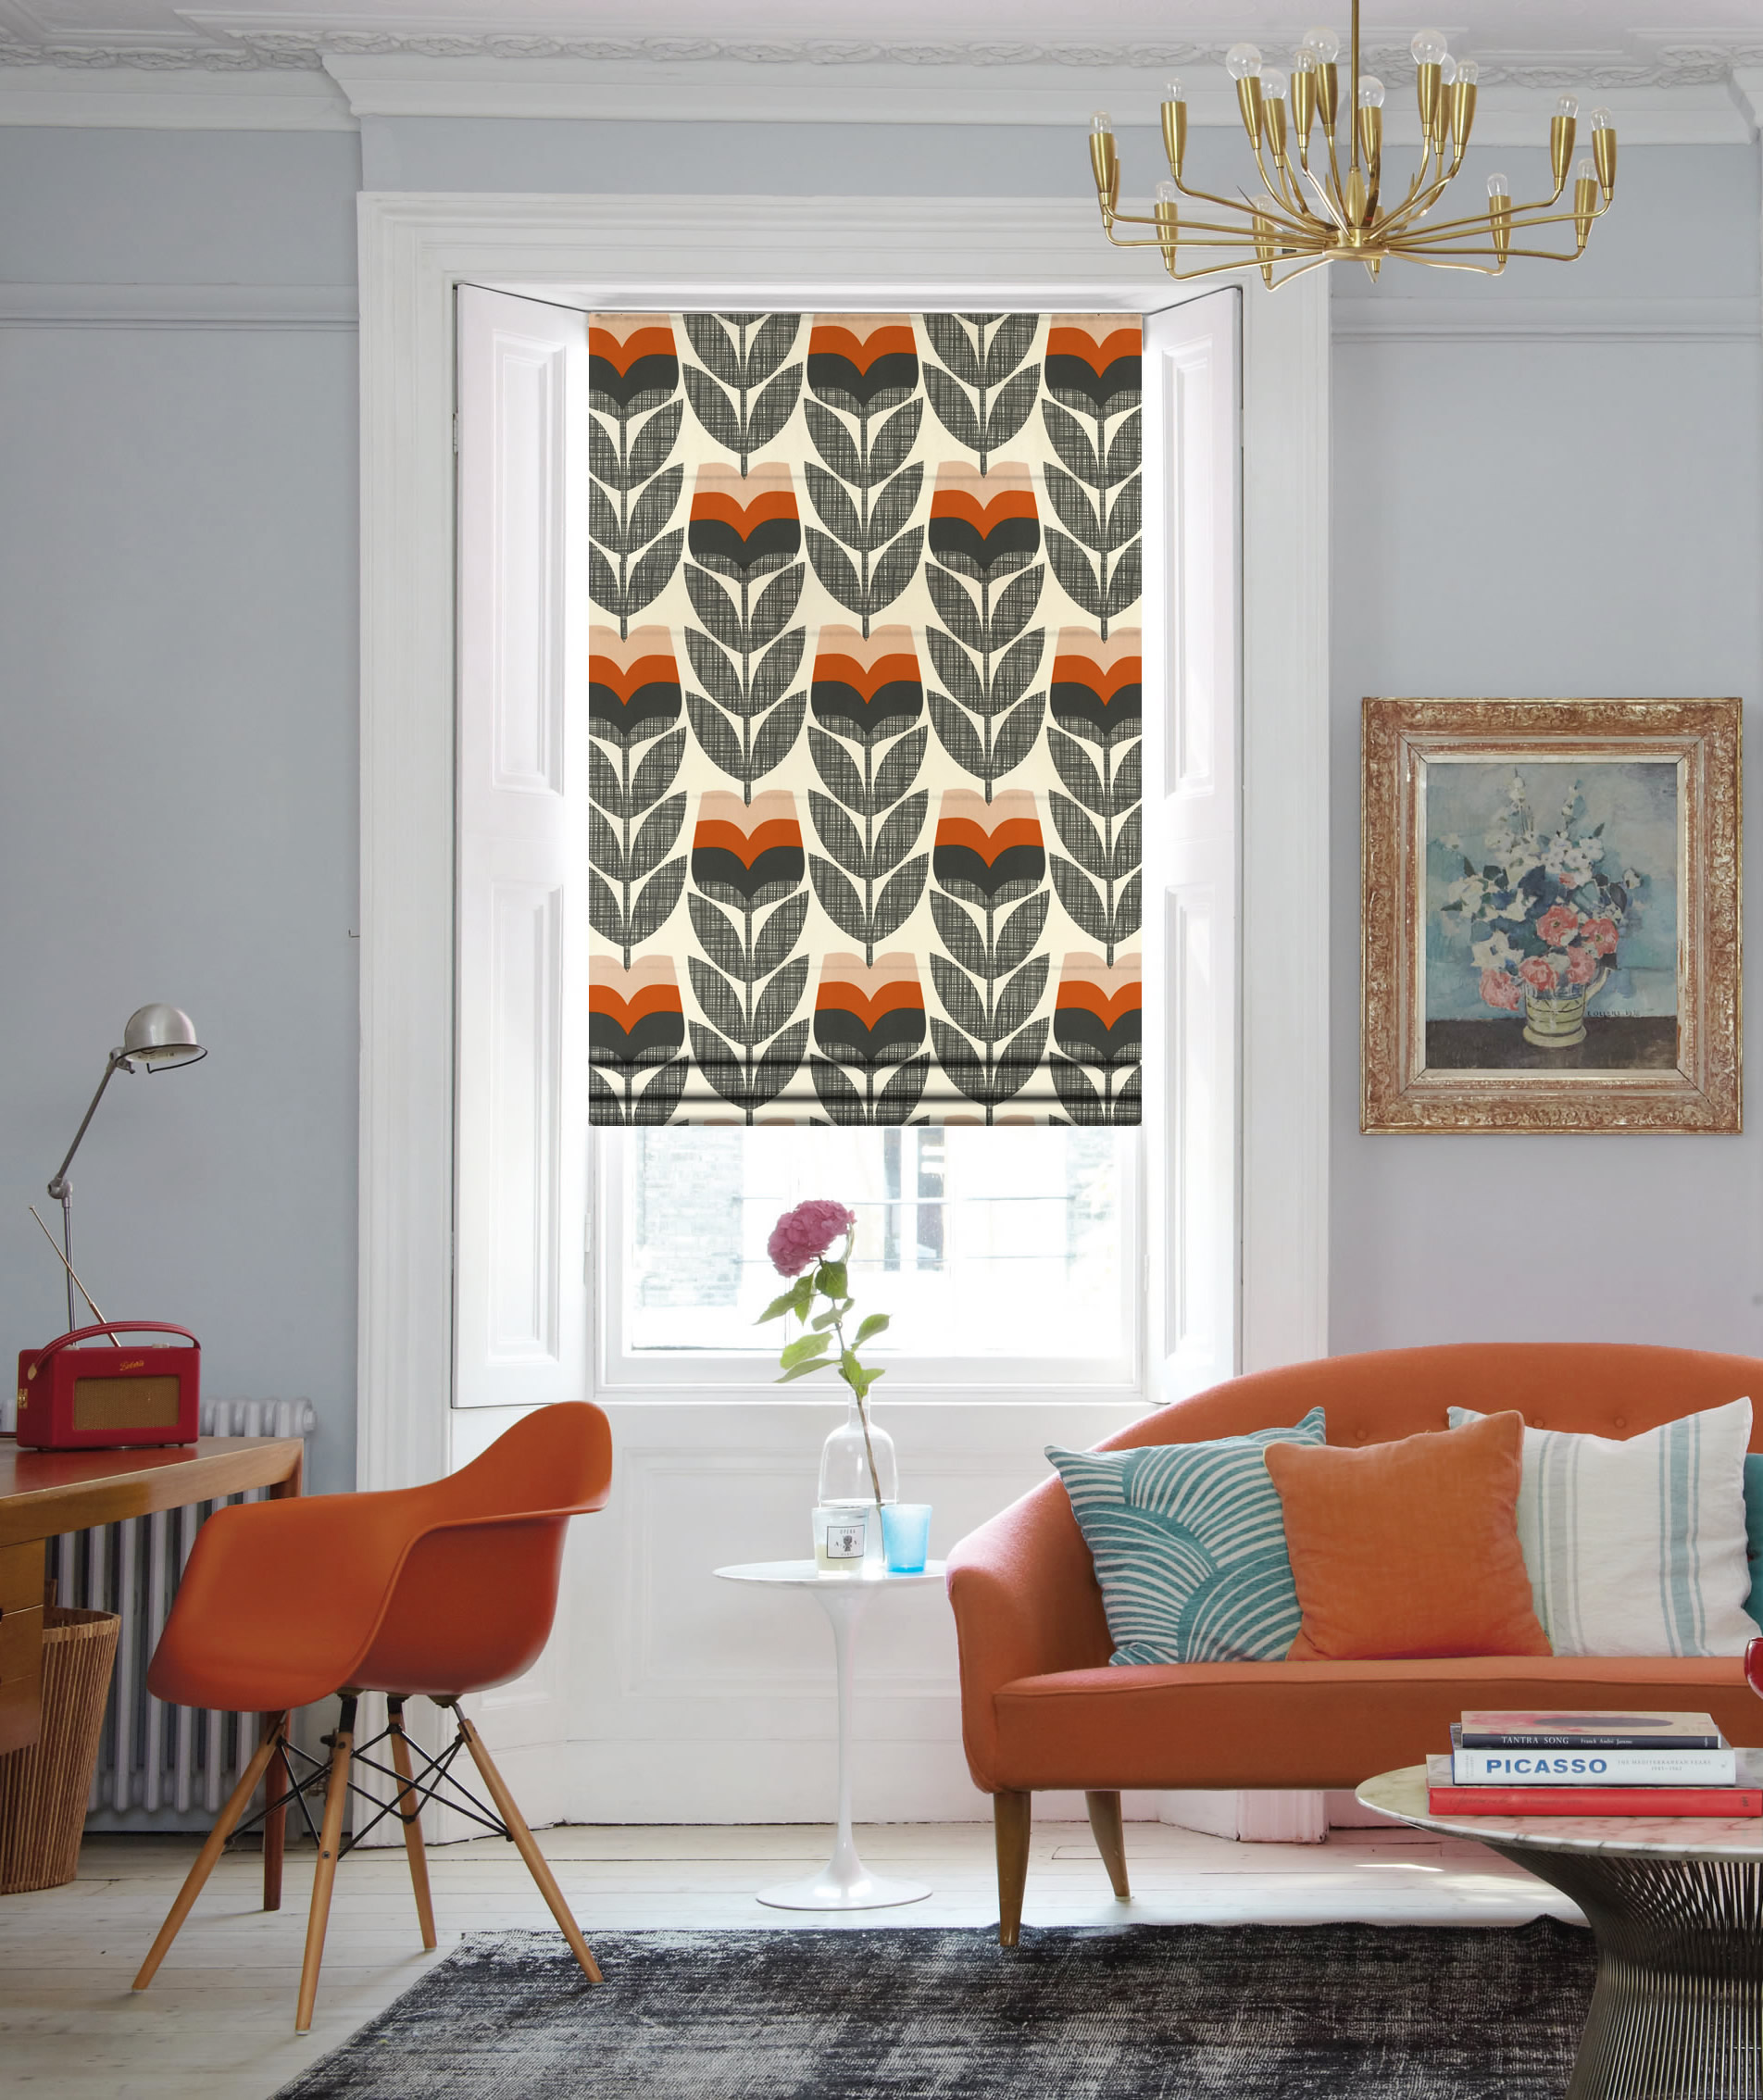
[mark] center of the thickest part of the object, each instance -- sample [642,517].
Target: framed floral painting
[1551,915]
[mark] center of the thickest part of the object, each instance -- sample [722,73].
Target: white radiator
[161,1767]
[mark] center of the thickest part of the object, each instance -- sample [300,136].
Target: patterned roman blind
[864,718]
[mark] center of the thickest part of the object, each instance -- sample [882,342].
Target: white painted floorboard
[217,2023]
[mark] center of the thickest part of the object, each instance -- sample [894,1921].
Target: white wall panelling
[1194,799]
[522,1201]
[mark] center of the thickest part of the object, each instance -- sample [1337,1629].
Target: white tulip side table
[845,1883]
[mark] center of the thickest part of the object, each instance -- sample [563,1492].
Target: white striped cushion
[1189,1545]
[1637,1546]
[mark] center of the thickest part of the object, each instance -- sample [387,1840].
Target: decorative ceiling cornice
[1662,64]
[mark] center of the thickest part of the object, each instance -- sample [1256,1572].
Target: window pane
[979,1242]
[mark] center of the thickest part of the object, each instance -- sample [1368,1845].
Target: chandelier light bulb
[1370,92]
[1499,190]
[1242,62]
[1430,48]
[1569,105]
[1324,42]
[1447,69]
[1102,124]
[1585,172]
[1167,192]
[1176,90]
[1304,60]
[1273,84]
[1467,72]
[1603,120]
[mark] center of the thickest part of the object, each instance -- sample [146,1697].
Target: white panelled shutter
[1193,803]
[521,1307]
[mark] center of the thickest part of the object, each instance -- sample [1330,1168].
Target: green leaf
[801,1351]
[827,1318]
[804,1293]
[777,1309]
[876,1323]
[801,1370]
[831,1279]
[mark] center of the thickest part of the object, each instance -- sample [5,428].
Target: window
[1010,1253]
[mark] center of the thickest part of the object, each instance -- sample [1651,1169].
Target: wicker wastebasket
[43,1787]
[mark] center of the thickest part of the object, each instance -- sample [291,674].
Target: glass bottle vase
[846,1482]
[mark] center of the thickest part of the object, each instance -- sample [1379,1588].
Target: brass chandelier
[1311,214]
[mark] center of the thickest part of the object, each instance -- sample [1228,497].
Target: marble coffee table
[1676,1906]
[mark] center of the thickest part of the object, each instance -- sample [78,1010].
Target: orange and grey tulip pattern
[864,710]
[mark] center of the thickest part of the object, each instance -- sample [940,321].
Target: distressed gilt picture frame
[1550,928]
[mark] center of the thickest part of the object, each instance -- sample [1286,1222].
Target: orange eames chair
[435,1591]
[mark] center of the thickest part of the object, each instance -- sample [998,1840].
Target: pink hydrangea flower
[1537,973]
[1582,966]
[1500,988]
[804,1234]
[1599,935]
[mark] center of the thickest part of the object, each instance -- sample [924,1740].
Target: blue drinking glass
[906,1535]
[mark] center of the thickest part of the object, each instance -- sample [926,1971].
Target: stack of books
[1591,1763]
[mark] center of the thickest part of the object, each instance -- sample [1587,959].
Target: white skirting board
[1262,1816]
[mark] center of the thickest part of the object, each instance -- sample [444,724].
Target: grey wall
[178,756]
[177,721]
[1551,518]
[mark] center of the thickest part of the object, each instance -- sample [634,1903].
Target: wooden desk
[45,1492]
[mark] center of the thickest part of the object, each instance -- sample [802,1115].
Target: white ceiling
[252,33]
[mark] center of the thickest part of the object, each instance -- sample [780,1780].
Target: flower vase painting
[1551,917]
[1551,899]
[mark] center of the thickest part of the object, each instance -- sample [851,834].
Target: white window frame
[635,1374]
[415,250]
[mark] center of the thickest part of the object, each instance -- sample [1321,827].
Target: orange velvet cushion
[1409,1548]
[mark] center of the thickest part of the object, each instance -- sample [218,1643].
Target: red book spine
[1595,1800]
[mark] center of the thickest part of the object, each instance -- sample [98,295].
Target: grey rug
[1189,2012]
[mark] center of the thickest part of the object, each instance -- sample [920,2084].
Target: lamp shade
[160,1037]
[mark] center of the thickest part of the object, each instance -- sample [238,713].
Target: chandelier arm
[1282,195]
[1231,241]
[1328,204]
[1516,222]
[1413,207]
[1224,204]
[1260,211]
[1235,236]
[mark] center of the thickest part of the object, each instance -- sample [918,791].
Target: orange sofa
[1042,1706]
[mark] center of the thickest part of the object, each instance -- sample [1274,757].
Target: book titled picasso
[1588,1766]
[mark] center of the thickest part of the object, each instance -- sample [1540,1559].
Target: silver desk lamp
[159,1037]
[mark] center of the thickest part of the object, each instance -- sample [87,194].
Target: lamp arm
[58,1186]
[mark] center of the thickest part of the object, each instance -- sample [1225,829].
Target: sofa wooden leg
[1110,1837]
[1011,1818]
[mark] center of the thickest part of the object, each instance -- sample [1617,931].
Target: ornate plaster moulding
[222,42]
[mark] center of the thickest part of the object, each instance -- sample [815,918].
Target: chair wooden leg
[1011,1821]
[206,1859]
[275,1820]
[336,1794]
[536,1866]
[410,1814]
[1110,1837]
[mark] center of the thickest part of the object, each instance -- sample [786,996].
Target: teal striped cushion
[1637,1546]
[1189,1545]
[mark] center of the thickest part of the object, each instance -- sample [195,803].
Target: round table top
[807,1575]
[1403,1793]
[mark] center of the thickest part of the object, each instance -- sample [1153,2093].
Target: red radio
[73,1398]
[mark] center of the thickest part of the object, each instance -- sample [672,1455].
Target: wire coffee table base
[1677,2010]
